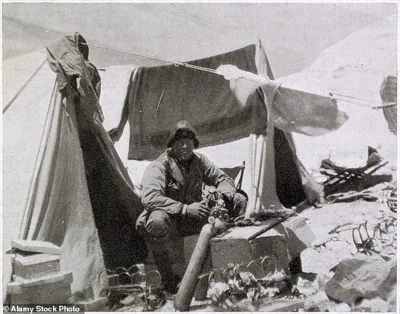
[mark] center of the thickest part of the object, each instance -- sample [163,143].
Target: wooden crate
[233,247]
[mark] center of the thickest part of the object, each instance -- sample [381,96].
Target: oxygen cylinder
[190,279]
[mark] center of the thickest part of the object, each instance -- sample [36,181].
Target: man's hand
[115,134]
[197,210]
[239,204]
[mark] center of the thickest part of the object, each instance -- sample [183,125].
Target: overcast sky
[293,34]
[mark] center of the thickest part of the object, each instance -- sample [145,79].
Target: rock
[279,305]
[338,307]
[392,300]
[316,303]
[373,305]
[323,279]
[307,283]
[44,293]
[360,277]
[390,283]
[22,283]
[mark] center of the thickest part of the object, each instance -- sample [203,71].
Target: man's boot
[164,266]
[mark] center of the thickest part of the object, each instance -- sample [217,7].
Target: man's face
[183,148]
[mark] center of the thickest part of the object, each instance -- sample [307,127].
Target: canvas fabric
[115,201]
[159,97]
[389,94]
[22,142]
[59,208]
[65,57]
[81,197]
[220,110]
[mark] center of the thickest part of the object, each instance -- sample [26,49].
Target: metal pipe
[189,282]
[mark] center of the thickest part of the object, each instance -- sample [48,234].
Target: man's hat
[183,129]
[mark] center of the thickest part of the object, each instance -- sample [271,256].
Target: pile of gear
[340,180]
[134,288]
[215,202]
[249,282]
[383,241]
[389,194]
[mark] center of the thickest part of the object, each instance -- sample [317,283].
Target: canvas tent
[63,180]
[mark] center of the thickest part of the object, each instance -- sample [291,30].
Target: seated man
[172,197]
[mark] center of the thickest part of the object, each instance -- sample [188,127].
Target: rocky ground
[337,276]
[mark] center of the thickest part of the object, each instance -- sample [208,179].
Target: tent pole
[262,163]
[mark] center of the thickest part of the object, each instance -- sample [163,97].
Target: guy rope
[233,72]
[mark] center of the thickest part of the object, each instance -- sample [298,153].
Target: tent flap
[59,209]
[114,201]
[81,197]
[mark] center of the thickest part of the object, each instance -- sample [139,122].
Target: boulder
[390,283]
[361,278]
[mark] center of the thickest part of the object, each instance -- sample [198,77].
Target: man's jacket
[166,186]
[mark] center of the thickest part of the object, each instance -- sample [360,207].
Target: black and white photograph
[199,156]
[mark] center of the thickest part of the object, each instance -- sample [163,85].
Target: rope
[341,97]
[356,100]
[385,105]
[23,86]
[352,102]
[177,63]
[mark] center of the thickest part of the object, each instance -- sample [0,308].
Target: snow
[354,67]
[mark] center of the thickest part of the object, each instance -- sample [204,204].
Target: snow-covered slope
[354,67]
